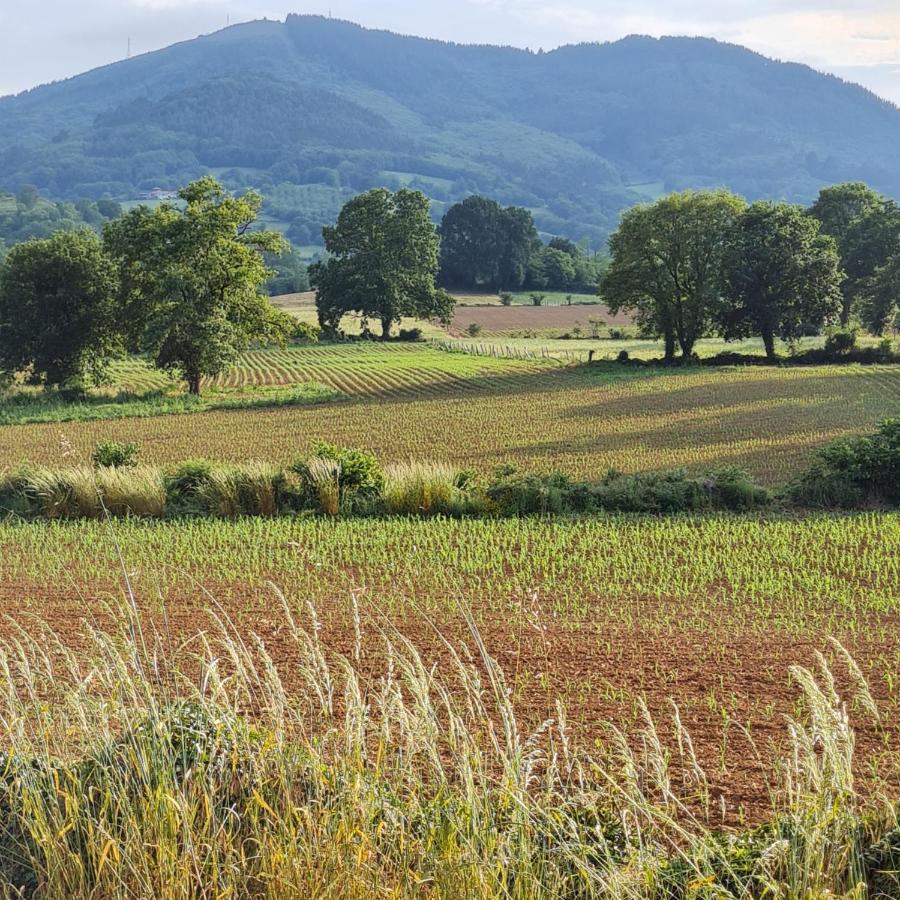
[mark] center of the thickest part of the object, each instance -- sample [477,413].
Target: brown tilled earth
[732,688]
[537,318]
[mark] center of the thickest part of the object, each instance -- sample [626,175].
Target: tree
[880,305]
[551,269]
[191,280]
[781,275]
[382,264]
[58,322]
[484,245]
[27,197]
[666,264]
[869,244]
[473,240]
[840,209]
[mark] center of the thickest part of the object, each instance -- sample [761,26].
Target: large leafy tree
[484,245]
[870,243]
[58,322]
[781,275]
[853,214]
[382,262]
[880,306]
[473,242]
[191,275]
[666,264]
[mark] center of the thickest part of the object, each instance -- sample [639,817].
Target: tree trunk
[386,327]
[193,380]
[768,337]
[687,348]
[670,347]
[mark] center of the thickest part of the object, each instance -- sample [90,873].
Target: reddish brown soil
[512,318]
[722,681]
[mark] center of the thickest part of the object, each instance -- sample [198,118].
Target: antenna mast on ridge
[128,51]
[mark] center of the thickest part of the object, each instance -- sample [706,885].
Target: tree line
[179,284]
[706,262]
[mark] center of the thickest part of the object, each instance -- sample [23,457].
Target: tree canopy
[382,262]
[782,275]
[58,310]
[191,278]
[666,263]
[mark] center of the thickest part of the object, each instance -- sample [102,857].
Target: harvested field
[708,611]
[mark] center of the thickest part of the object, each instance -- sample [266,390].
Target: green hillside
[313,110]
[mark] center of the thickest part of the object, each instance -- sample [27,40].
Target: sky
[44,40]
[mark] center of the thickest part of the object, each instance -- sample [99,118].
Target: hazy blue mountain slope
[314,109]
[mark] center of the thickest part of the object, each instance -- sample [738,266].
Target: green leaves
[58,321]
[383,262]
[191,280]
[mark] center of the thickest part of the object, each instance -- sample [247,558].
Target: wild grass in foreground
[130,774]
[33,408]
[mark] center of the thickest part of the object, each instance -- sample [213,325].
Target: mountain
[313,110]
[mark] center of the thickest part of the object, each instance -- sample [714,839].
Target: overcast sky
[43,40]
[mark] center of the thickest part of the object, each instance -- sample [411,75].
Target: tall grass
[417,488]
[132,771]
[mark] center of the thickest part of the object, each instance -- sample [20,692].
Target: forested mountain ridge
[313,110]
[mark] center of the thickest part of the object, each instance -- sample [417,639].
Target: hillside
[313,110]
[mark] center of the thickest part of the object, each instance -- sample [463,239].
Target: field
[415,402]
[706,612]
[709,612]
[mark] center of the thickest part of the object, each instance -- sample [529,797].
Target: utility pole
[128,51]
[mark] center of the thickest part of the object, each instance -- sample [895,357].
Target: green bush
[853,472]
[115,455]
[732,488]
[663,492]
[18,498]
[515,493]
[304,332]
[506,298]
[185,486]
[839,341]
[339,479]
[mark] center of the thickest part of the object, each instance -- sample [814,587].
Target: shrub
[515,493]
[506,298]
[185,486]
[17,495]
[411,335]
[853,472]
[337,478]
[665,492]
[618,334]
[839,341]
[113,454]
[732,488]
[305,332]
[623,356]
[473,329]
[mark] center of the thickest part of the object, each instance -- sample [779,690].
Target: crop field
[415,402]
[707,611]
